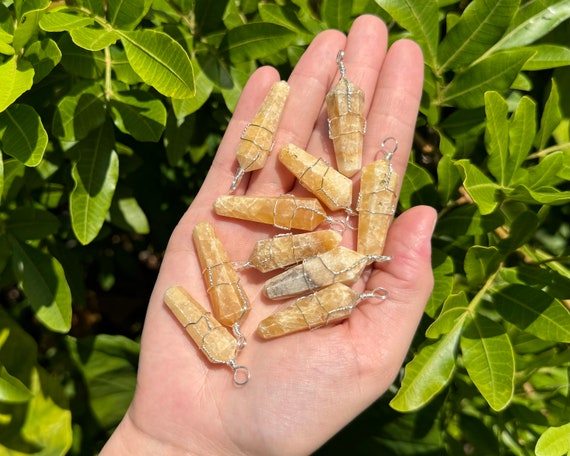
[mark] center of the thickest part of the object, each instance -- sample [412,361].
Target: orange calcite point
[215,341]
[347,125]
[332,188]
[257,138]
[285,250]
[337,265]
[331,304]
[376,206]
[285,211]
[229,302]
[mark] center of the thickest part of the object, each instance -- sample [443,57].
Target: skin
[304,387]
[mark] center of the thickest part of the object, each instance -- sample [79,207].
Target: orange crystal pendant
[285,211]
[229,302]
[332,188]
[331,304]
[215,341]
[347,125]
[284,250]
[257,138]
[337,265]
[376,206]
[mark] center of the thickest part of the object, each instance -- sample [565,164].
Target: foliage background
[110,113]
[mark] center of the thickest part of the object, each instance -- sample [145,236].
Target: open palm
[306,386]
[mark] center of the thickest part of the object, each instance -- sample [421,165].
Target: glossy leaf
[480,263]
[255,40]
[285,17]
[93,39]
[127,15]
[550,281]
[28,22]
[138,114]
[547,56]
[468,220]
[488,357]
[42,279]
[421,19]
[554,441]
[417,188]
[522,130]
[22,134]
[336,13]
[429,372]
[95,174]
[126,213]
[64,21]
[44,56]
[534,311]
[11,389]
[17,77]
[443,270]
[543,195]
[449,179]
[160,62]
[31,223]
[454,311]
[545,173]
[481,189]
[551,117]
[480,26]
[497,137]
[496,72]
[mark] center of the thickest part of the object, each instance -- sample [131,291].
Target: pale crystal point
[214,340]
[285,250]
[332,188]
[285,211]
[331,304]
[229,302]
[340,264]
[376,206]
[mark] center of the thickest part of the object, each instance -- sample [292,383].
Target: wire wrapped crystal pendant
[285,211]
[258,136]
[324,307]
[286,249]
[214,340]
[347,125]
[332,188]
[340,264]
[376,204]
[230,304]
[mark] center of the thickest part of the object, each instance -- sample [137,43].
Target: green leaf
[122,69]
[22,134]
[480,263]
[11,389]
[109,366]
[453,312]
[80,62]
[532,28]
[27,26]
[336,13]
[429,372]
[480,188]
[126,213]
[448,179]
[443,270]
[496,72]
[138,114]
[480,26]
[30,223]
[543,195]
[497,137]
[95,174]
[5,43]
[127,15]
[417,188]
[80,112]
[420,17]
[554,441]
[545,173]
[285,17]
[255,40]
[160,62]
[534,311]
[551,282]
[522,130]
[64,21]
[204,87]
[551,117]
[468,220]
[521,230]
[42,279]
[17,77]
[547,56]
[489,359]
[93,39]
[14,171]
[44,56]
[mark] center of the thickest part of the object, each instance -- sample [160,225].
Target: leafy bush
[110,113]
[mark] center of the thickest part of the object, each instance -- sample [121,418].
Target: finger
[384,330]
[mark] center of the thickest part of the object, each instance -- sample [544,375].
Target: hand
[304,387]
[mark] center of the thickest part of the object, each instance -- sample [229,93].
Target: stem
[548,150]
[479,296]
[108,73]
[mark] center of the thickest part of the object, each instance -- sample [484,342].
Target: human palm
[306,386]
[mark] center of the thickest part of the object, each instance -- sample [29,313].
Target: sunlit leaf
[489,360]
[551,117]
[543,195]
[11,389]
[17,77]
[552,282]
[497,137]
[22,134]
[28,22]
[285,17]
[93,39]
[138,114]
[468,220]
[95,174]
[160,62]
[64,21]
[534,311]
[554,441]
[481,189]
[126,213]
[547,56]
[522,130]
[127,15]
[417,188]
[336,13]
[454,309]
